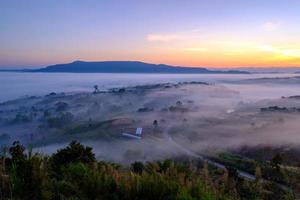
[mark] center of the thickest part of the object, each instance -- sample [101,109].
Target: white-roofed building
[137,135]
[139,131]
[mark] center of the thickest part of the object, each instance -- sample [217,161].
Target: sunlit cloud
[235,53]
[195,49]
[186,35]
[294,53]
[165,37]
[270,26]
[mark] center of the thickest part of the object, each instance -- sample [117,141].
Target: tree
[137,167]
[4,152]
[28,174]
[96,89]
[275,172]
[258,173]
[17,152]
[276,161]
[74,153]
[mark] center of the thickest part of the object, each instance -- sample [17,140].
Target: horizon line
[20,67]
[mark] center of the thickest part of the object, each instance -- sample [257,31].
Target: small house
[137,135]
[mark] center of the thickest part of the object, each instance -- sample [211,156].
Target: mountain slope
[125,67]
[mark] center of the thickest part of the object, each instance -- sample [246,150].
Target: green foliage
[137,167]
[28,174]
[74,173]
[74,153]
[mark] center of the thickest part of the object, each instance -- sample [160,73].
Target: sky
[204,33]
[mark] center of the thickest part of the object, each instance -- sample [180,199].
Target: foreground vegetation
[74,173]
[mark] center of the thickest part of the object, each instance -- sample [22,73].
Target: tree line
[74,173]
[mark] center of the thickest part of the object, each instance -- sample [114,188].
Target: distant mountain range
[126,67]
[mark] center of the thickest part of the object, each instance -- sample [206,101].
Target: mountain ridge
[127,67]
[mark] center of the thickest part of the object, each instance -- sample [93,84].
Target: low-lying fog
[14,85]
[182,114]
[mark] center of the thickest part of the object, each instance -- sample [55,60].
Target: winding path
[211,162]
[241,173]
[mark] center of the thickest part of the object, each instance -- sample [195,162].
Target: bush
[74,173]
[74,153]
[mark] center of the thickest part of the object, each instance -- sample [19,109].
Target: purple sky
[212,33]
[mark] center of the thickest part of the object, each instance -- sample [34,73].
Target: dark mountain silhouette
[126,67]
